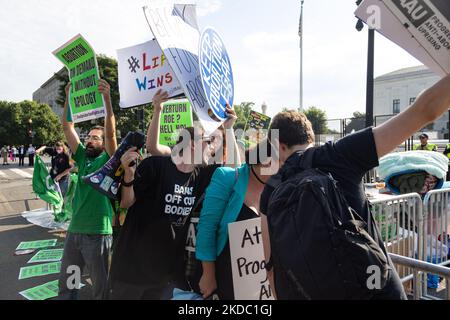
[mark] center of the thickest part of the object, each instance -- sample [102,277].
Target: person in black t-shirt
[148,260]
[222,147]
[351,157]
[60,170]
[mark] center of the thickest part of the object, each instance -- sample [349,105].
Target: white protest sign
[179,41]
[143,70]
[421,27]
[250,280]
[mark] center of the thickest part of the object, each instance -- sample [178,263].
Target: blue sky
[260,35]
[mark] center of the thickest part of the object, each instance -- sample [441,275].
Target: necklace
[256,176]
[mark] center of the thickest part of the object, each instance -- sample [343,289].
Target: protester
[22,152]
[170,188]
[31,151]
[424,145]
[218,138]
[232,196]
[89,239]
[221,152]
[60,170]
[347,161]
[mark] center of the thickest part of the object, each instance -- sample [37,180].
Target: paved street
[16,197]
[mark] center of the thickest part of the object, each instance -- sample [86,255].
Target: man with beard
[89,237]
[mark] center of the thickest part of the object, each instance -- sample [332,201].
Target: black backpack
[321,248]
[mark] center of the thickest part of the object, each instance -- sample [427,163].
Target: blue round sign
[216,73]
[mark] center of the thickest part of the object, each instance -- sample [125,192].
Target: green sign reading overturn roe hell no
[175,115]
[86,102]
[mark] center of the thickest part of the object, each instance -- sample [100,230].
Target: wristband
[127,184]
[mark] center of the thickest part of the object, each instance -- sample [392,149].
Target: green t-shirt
[92,211]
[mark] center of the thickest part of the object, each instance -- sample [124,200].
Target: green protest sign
[47,256]
[86,102]
[176,115]
[24,245]
[39,270]
[43,292]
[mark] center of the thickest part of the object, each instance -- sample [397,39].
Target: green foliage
[15,124]
[358,122]
[318,119]
[242,112]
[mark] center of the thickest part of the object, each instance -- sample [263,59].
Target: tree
[16,128]
[242,112]
[358,122]
[318,119]
[126,119]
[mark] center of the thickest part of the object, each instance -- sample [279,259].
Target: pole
[448,125]
[300,33]
[369,89]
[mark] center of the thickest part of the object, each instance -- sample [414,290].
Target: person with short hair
[88,241]
[21,151]
[350,158]
[31,151]
[424,145]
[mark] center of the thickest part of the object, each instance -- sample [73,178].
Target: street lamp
[264,108]
[370,67]
[30,131]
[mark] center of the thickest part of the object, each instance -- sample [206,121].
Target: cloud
[207,7]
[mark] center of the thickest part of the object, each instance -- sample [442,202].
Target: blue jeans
[83,250]
[64,185]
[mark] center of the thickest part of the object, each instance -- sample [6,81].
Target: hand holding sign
[128,160]
[231,118]
[106,180]
[104,88]
[159,98]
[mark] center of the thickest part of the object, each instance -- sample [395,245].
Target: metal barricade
[400,221]
[435,240]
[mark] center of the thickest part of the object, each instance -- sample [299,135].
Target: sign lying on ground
[43,292]
[250,281]
[86,102]
[50,255]
[178,36]
[176,115]
[24,245]
[143,70]
[39,270]
[421,27]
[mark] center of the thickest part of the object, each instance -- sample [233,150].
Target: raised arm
[431,104]
[69,128]
[110,121]
[234,157]
[152,143]
[128,196]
